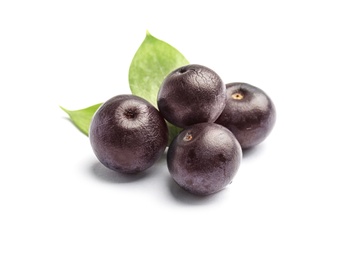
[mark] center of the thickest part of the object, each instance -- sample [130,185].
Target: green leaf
[152,62]
[81,118]
[173,131]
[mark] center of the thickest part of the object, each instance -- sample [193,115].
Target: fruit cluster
[128,134]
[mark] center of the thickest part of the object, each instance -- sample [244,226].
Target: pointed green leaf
[82,117]
[152,62]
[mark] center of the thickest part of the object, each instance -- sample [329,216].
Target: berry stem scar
[237,96]
[188,137]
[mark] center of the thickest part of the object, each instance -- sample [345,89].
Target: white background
[288,200]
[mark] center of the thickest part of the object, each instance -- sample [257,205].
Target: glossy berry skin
[204,158]
[128,134]
[249,113]
[191,94]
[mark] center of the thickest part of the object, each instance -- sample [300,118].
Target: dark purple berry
[249,114]
[191,94]
[204,158]
[128,134]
